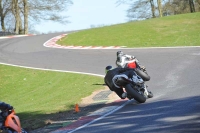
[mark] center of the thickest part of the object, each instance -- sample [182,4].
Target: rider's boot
[124,95]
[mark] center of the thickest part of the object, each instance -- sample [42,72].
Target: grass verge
[177,30]
[39,95]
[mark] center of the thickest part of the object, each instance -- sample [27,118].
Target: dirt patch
[88,105]
[100,96]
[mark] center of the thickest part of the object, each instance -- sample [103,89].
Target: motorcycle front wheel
[135,94]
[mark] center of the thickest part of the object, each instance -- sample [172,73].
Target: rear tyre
[135,94]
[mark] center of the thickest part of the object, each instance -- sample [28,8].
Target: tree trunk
[192,8]
[2,24]
[2,17]
[159,7]
[25,16]
[15,11]
[198,1]
[21,31]
[152,9]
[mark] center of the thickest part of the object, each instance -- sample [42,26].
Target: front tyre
[135,94]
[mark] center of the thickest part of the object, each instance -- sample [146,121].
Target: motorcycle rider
[112,74]
[4,106]
[124,60]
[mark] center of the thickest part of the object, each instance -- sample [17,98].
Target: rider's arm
[139,65]
[121,61]
[128,56]
[137,62]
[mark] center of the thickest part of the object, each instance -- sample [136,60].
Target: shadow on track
[179,116]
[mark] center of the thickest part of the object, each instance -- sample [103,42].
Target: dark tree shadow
[178,116]
[165,116]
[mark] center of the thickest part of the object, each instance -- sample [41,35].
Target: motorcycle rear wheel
[135,94]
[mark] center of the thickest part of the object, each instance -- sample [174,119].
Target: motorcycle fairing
[12,121]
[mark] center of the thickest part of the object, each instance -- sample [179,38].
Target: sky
[85,13]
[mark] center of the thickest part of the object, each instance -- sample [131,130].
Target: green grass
[37,94]
[177,30]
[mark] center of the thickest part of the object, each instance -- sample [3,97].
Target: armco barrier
[2,33]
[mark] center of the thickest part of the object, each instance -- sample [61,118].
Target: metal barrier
[2,33]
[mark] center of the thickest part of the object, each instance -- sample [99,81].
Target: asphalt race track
[174,73]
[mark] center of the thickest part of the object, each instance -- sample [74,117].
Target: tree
[15,11]
[159,7]
[198,3]
[180,6]
[152,8]
[25,11]
[48,10]
[142,8]
[191,3]
[5,7]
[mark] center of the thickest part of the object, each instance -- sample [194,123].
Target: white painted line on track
[103,110]
[53,70]
[103,116]
[52,44]
[175,47]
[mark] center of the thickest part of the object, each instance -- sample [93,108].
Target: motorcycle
[135,87]
[11,122]
[137,91]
